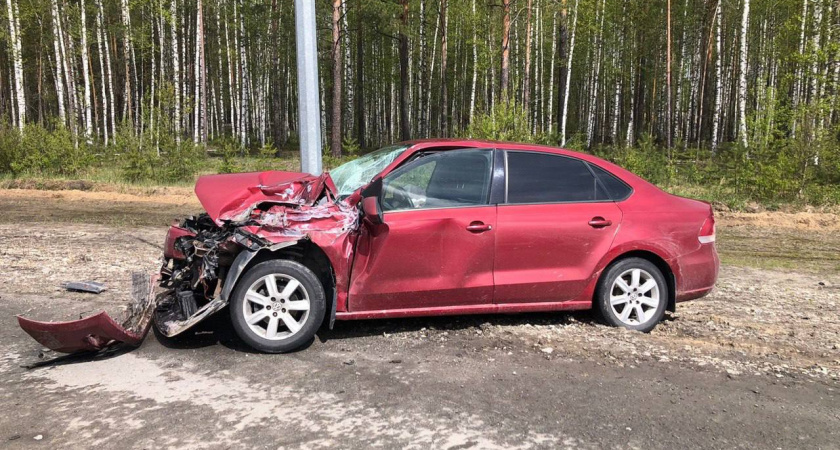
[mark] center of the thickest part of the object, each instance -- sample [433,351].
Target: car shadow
[215,330]
[361,328]
[50,359]
[218,330]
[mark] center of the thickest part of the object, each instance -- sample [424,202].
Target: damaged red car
[433,228]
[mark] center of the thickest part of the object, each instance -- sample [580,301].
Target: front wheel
[632,294]
[277,306]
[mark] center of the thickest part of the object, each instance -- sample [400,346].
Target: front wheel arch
[302,251]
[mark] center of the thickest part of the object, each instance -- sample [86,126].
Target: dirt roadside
[755,364]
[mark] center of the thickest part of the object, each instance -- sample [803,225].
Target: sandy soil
[754,365]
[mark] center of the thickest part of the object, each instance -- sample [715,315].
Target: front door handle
[599,222]
[478,227]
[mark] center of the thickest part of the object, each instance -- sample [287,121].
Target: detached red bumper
[100,330]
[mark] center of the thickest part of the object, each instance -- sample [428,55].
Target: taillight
[707,231]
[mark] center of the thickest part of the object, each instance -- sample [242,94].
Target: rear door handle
[599,222]
[478,227]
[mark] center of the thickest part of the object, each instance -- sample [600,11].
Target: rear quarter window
[617,189]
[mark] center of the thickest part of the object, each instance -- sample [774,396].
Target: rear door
[435,247]
[554,226]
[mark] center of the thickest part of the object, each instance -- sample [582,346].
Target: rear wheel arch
[657,261]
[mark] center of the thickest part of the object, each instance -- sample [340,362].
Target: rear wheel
[632,294]
[277,306]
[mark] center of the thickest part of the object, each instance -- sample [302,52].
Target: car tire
[282,319]
[632,294]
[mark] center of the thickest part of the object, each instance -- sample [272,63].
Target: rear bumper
[697,273]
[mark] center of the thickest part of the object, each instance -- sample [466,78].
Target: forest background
[732,101]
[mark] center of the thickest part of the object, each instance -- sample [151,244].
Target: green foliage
[150,157]
[39,151]
[505,122]
[351,146]
[228,149]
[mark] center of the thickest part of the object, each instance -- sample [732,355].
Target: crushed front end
[246,215]
[205,255]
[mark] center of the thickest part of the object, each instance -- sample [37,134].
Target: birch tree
[568,78]
[742,76]
[86,74]
[59,73]
[718,77]
[17,61]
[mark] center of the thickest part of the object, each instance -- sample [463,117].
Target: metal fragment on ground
[92,287]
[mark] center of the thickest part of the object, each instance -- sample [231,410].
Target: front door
[436,245]
[553,229]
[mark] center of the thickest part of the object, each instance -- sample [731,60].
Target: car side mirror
[370,201]
[373,213]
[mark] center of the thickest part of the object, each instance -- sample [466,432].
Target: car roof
[430,144]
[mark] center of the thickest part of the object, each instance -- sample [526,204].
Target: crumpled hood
[230,197]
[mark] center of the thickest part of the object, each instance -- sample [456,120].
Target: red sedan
[419,229]
[435,228]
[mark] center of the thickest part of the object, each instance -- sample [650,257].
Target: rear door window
[545,178]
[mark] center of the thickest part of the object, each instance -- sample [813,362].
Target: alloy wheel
[634,296]
[276,307]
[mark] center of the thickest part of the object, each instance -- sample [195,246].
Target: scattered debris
[92,287]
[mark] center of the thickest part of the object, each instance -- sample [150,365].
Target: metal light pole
[309,105]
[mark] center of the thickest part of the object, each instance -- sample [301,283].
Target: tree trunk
[669,108]
[68,75]
[335,139]
[176,69]
[86,73]
[360,88]
[742,77]
[127,96]
[405,130]
[797,86]
[526,88]
[444,103]
[102,71]
[568,79]
[596,73]
[424,72]
[505,74]
[200,111]
[59,73]
[718,80]
[474,62]
[552,74]
[17,61]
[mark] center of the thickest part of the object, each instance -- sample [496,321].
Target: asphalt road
[360,387]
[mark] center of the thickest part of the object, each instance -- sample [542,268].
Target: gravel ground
[755,365]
